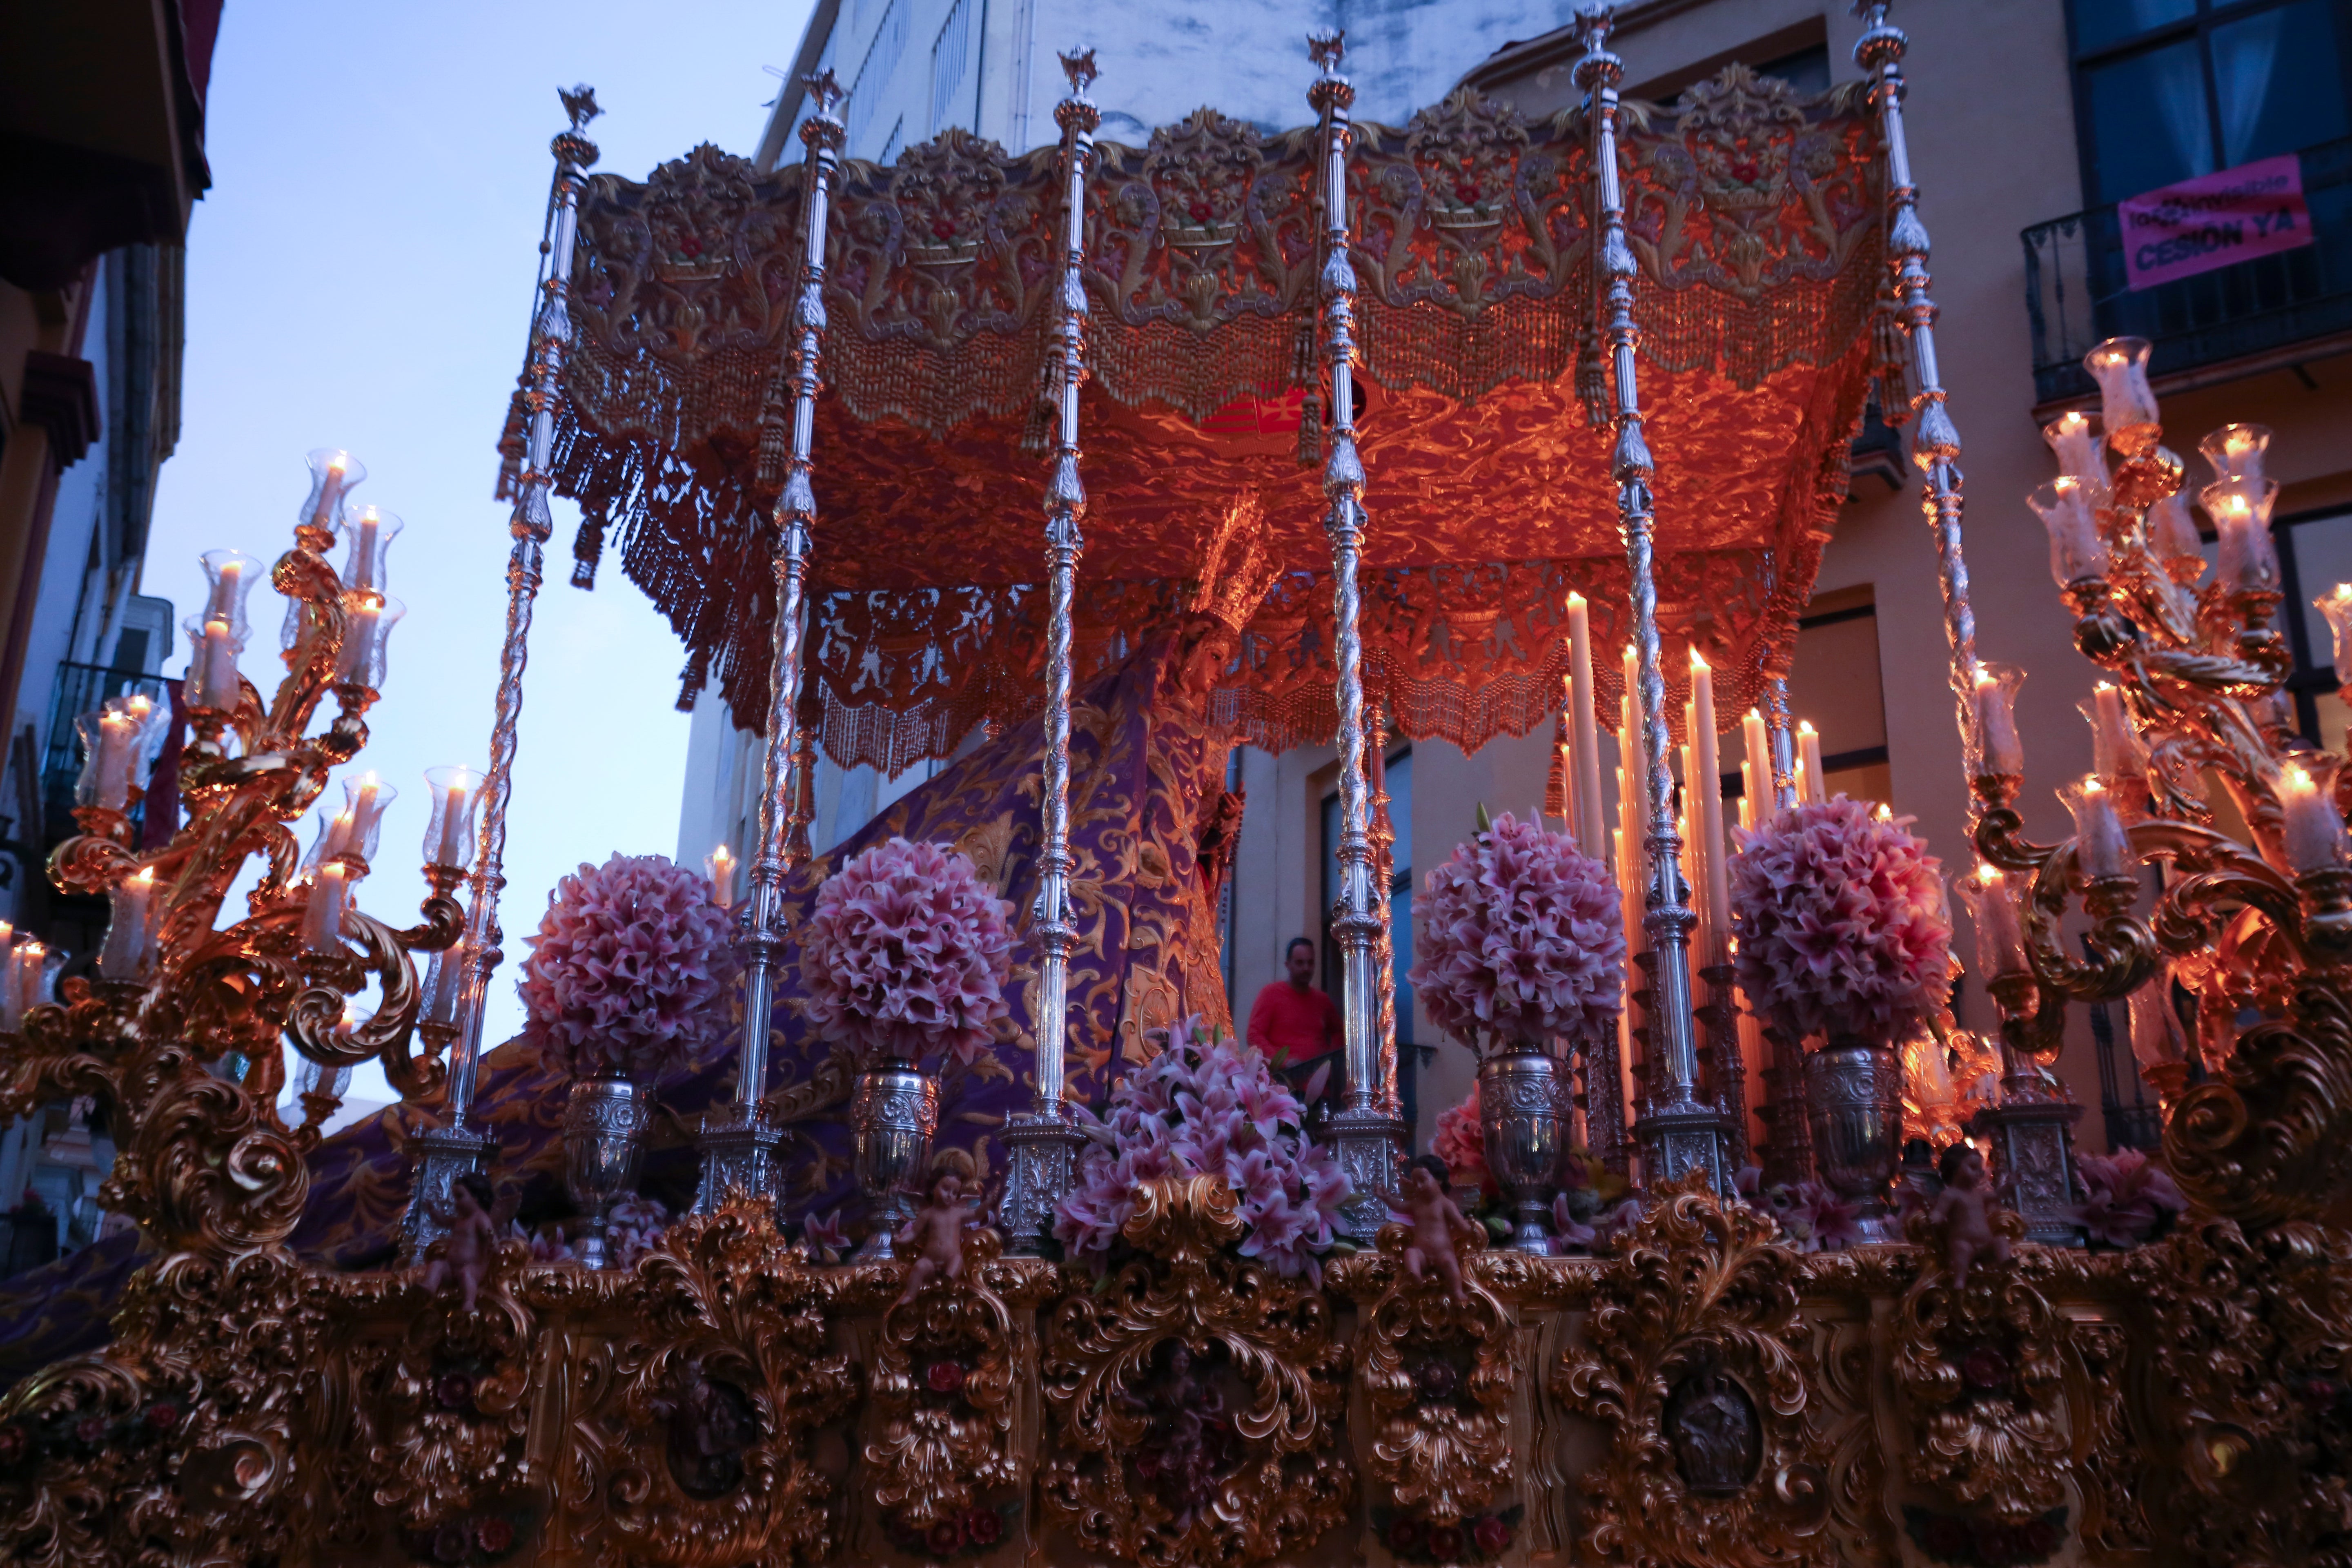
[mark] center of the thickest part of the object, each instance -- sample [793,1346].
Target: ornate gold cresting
[1696,1363]
[1153,1467]
[1437,1376]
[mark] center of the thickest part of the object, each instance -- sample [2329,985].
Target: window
[895,140]
[2166,89]
[1833,684]
[874,74]
[949,51]
[2314,552]
[1398,782]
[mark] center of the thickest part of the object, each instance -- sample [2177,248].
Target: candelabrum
[182,1031]
[2251,912]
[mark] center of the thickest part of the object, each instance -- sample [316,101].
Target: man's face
[1301,964]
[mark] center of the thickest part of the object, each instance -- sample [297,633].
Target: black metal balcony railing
[81,688]
[2075,295]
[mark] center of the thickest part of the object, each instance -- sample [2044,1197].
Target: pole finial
[579,103]
[1079,68]
[1598,67]
[824,94]
[1325,48]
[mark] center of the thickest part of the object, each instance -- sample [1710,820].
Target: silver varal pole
[1681,1132]
[2030,1128]
[1365,1132]
[1783,733]
[738,1146]
[1042,1145]
[457,1146]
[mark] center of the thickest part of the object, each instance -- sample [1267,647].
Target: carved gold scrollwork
[1437,1376]
[694,1439]
[942,1386]
[1980,1367]
[1197,1394]
[1696,1362]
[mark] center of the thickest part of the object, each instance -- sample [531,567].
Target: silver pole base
[2034,1158]
[1679,1138]
[738,1154]
[443,1155]
[1043,1155]
[1369,1144]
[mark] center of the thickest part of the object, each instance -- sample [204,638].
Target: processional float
[709,345]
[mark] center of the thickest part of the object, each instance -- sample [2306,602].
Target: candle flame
[1805,726]
[1985,678]
[1988,876]
[145,876]
[1575,600]
[1698,661]
[2073,419]
[2296,779]
[2065,484]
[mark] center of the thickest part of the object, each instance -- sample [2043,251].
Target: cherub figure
[1435,1221]
[936,1234]
[1962,1210]
[473,1238]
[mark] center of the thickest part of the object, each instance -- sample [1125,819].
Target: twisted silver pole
[1680,1131]
[1365,1132]
[1782,731]
[1042,1145]
[739,1147]
[457,1146]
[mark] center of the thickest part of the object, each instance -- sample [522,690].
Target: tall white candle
[363,553]
[218,666]
[2315,833]
[116,735]
[2114,735]
[331,495]
[720,863]
[359,645]
[223,604]
[1808,742]
[1758,781]
[452,849]
[2100,845]
[125,950]
[1716,890]
[1584,732]
[322,916]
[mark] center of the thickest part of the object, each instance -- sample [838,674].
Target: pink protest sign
[2214,220]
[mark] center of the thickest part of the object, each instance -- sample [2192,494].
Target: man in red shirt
[1294,1023]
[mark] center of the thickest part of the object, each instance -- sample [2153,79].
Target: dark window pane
[2099,23]
[1807,71]
[2148,126]
[2281,81]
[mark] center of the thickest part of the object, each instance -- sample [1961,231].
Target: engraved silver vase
[893,1112]
[1853,1097]
[1520,1114]
[603,1141]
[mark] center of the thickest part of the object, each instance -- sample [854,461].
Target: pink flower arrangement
[1208,1107]
[1813,1218]
[906,954]
[629,970]
[1841,921]
[2128,1200]
[1522,940]
[1460,1139]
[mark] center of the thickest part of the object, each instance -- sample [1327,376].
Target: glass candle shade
[311,1078]
[2236,451]
[1991,904]
[2156,1037]
[2117,753]
[213,681]
[2172,535]
[1993,745]
[327,844]
[449,834]
[2312,830]
[365,799]
[323,915]
[445,983]
[107,739]
[2101,846]
[333,472]
[2337,605]
[2126,407]
[2240,511]
[229,577]
[2077,548]
[368,531]
[2081,456]
[720,863]
[366,627]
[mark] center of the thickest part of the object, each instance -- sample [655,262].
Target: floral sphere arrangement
[1208,1107]
[1522,940]
[628,970]
[1457,1139]
[1841,920]
[906,954]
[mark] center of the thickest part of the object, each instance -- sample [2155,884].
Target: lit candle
[116,734]
[2112,747]
[720,862]
[1584,732]
[451,850]
[330,494]
[2315,833]
[2240,511]
[2127,405]
[217,661]
[361,816]
[2077,551]
[363,553]
[322,916]
[223,604]
[2236,451]
[1998,749]
[1757,785]
[2075,440]
[2101,848]
[1717,889]
[1815,787]
[2001,940]
[32,977]
[125,953]
[359,645]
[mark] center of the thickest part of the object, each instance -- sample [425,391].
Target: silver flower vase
[1853,1097]
[1519,1114]
[603,1141]
[893,1113]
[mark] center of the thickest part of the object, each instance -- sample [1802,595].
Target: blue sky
[360,277]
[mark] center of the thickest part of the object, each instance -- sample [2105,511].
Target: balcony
[2274,311]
